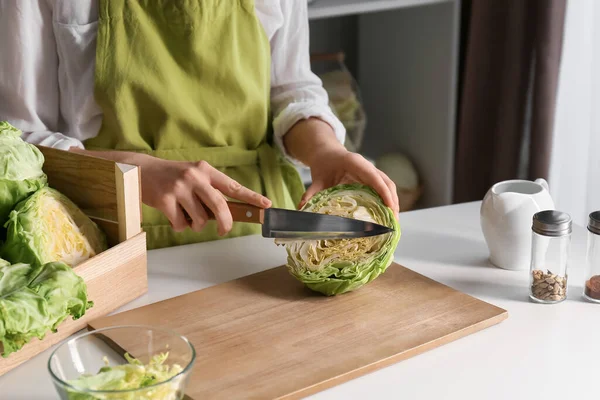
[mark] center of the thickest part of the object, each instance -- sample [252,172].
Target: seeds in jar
[548,286]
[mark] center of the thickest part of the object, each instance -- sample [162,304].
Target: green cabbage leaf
[337,266]
[35,300]
[47,227]
[20,170]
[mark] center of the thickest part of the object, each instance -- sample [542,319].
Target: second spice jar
[550,247]
[591,286]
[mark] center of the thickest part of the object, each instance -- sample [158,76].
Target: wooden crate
[109,193]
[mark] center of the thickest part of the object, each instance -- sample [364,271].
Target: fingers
[392,187]
[369,175]
[316,187]
[189,194]
[191,204]
[235,190]
[216,202]
[174,213]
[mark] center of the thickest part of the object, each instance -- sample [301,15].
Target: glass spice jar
[550,247]
[591,289]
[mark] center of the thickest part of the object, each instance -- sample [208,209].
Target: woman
[211,98]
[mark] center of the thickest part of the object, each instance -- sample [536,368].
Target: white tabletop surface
[540,351]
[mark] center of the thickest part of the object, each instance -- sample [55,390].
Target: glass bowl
[87,353]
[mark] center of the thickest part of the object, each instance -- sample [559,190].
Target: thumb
[310,192]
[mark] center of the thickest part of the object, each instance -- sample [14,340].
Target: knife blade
[281,223]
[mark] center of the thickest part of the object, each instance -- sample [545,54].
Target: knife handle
[242,212]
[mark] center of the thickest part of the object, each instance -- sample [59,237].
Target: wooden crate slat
[88,181]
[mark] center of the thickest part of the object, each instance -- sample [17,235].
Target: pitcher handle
[542,181]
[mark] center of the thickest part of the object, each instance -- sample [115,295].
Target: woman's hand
[177,188]
[337,166]
[313,142]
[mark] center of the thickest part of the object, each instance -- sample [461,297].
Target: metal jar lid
[594,222]
[552,223]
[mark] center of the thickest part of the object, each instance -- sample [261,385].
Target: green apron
[189,80]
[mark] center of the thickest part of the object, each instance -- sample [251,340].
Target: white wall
[575,168]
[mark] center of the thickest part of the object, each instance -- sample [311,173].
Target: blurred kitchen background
[449,97]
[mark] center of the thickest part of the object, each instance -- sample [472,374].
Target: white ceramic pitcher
[506,217]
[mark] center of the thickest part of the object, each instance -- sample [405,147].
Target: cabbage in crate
[20,170]
[48,227]
[337,266]
[36,300]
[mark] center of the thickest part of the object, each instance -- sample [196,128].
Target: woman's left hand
[336,166]
[314,143]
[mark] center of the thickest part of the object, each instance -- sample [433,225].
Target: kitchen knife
[291,224]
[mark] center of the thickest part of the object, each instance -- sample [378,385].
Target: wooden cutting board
[265,336]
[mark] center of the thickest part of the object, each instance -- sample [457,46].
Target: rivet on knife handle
[242,212]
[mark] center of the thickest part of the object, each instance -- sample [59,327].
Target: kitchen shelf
[404,56]
[334,8]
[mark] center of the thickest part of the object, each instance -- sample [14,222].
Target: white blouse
[47,58]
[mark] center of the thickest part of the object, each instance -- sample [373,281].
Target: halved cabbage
[337,266]
[20,170]
[49,227]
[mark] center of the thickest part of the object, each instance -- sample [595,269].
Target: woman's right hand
[175,187]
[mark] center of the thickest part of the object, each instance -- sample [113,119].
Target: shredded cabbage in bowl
[337,266]
[123,380]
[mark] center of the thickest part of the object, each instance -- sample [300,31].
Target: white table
[540,351]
